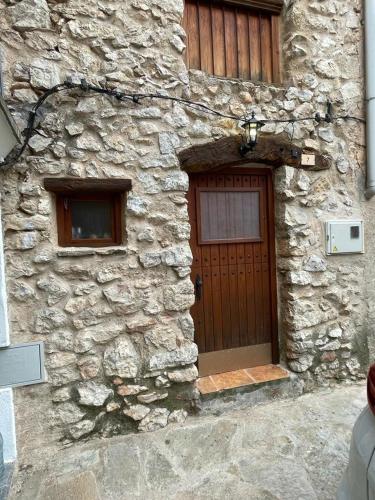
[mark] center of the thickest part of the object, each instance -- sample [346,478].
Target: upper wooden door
[232,241]
[232,40]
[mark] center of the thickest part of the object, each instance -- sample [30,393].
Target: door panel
[231,241]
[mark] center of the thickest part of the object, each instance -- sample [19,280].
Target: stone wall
[116,322]
[323,299]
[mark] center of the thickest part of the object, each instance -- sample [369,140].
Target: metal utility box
[22,364]
[343,237]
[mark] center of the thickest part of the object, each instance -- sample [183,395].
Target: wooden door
[232,240]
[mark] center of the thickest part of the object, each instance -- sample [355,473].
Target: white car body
[358,482]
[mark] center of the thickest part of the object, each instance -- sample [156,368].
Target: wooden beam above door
[273,150]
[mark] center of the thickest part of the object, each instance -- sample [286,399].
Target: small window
[229,215]
[89,212]
[234,39]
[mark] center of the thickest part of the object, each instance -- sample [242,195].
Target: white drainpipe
[370,95]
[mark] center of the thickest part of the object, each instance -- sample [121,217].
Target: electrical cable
[137,98]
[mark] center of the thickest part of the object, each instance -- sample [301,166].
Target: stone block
[130,390]
[63,376]
[141,324]
[34,223]
[331,346]
[179,297]
[107,275]
[88,142]
[26,240]
[315,264]
[49,319]
[177,181]
[60,359]
[122,299]
[177,417]
[44,74]
[79,430]
[137,206]
[151,397]
[186,325]
[30,15]
[301,364]
[137,412]
[21,291]
[55,288]
[185,355]
[61,395]
[156,419]
[93,394]
[74,128]
[38,143]
[89,366]
[121,359]
[150,259]
[68,413]
[188,374]
[168,142]
[299,278]
[177,256]
[146,234]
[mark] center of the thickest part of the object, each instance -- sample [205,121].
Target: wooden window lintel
[71,185]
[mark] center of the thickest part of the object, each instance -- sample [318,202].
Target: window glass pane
[91,219]
[228,215]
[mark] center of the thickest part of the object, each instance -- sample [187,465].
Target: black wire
[136,98]
[30,124]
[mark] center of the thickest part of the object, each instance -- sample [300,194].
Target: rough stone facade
[116,323]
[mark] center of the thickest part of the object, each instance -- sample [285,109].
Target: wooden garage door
[233,271]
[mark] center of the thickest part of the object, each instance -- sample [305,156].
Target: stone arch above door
[273,150]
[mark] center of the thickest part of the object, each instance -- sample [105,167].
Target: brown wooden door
[232,241]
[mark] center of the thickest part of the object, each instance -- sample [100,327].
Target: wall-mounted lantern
[251,127]
[9,133]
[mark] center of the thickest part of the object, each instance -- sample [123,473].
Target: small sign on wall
[344,237]
[307,160]
[22,364]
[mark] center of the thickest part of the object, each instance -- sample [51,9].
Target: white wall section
[7,425]
[4,327]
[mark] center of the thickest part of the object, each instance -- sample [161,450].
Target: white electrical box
[344,237]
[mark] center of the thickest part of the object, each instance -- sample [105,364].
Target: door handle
[198,287]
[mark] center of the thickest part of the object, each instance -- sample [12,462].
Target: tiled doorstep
[240,378]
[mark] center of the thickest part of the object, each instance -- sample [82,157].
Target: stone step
[226,400]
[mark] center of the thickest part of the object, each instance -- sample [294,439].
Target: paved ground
[287,450]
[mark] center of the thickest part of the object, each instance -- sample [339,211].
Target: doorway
[234,273]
